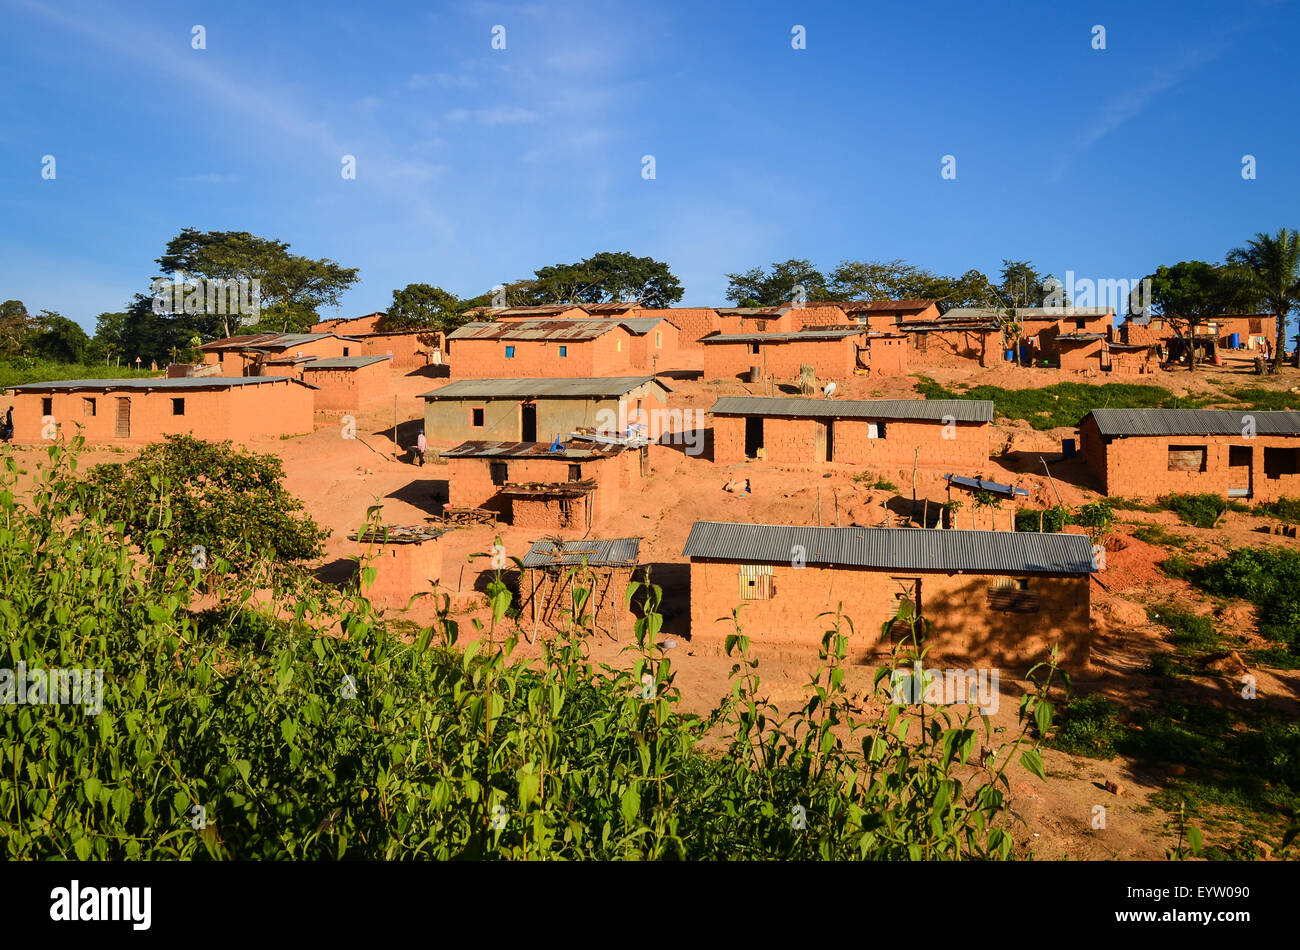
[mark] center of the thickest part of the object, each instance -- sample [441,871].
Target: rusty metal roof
[559,330]
[908,549]
[936,410]
[509,450]
[577,387]
[398,534]
[267,341]
[595,552]
[804,335]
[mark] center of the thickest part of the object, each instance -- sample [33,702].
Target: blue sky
[476,165]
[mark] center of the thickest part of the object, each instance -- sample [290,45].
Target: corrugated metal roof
[962,410]
[561,330]
[1025,313]
[346,362]
[908,549]
[564,387]
[607,552]
[1080,337]
[268,341]
[855,306]
[481,449]
[1193,422]
[640,326]
[178,382]
[783,337]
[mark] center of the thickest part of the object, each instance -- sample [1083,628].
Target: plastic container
[1011,356]
[1026,351]
[1234,341]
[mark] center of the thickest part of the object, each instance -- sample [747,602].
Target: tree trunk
[1280,345]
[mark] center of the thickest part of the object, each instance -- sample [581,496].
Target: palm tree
[1272,262]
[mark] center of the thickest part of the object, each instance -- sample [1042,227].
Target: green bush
[1201,511]
[1284,509]
[1088,726]
[1053,519]
[1155,534]
[1267,577]
[1186,629]
[1179,567]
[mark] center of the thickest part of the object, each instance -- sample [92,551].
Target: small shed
[407,560]
[975,485]
[347,383]
[553,569]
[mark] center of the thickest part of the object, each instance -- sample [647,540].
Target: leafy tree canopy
[759,287]
[422,306]
[606,277]
[229,501]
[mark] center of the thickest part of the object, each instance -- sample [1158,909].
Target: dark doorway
[1240,465]
[528,422]
[826,441]
[753,435]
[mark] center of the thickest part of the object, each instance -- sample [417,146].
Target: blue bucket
[1011,356]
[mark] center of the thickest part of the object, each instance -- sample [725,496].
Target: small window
[756,582]
[476,418]
[875,430]
[88,407]
[1012,594]
[499,472]
[510,352]
[178,407]
[47,406]
[575,473]
[618,345]
[761,325]
[659,340]
[346,351]
[753,349]
[1278,462]
[1186,458]
[564,351]
[1080,324]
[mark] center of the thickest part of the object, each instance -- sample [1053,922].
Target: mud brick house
[1145,453]
[552,568]
[407,560]
[1052,333]
[409,349]
[1082,352]
[1253,330]
[136,411]
[349,382]
[885,316]
[873,432]
[693,323]
[350,326]
[275,354]
[655,343]
[526,348]
[992,596]
[1132,359]
[529,485]
[734,320]
[936,344]
[832,353]
[526,410]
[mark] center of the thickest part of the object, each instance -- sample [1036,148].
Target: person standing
[421,446]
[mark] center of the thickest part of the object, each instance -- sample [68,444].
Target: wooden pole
[925,514]
[836,495]
[819,506]
[916,454]
[1051,481]
[396,447]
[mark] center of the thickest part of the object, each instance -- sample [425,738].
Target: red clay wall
[607,355]
[550,595]
[886,355]
[818,315]
[405,348]
[694,324]
[965,627]
[941,347]
[832,359]
[403,570]
[1081,357]
[796,440]
[349,389]
[470,485]
[657,350]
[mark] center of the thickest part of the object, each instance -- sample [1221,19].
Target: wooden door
[123,420]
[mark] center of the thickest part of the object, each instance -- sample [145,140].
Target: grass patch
[1201,511]
[1179,567]
[1062,404]
[1155,534]
[1187,631]
[1087,726]
[1269,578]
[1264,400]
[865,479]
[15,372]
[1284,509]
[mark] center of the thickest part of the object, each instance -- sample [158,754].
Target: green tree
[1271,270]
[293,288]
[13,327]
[606,277]
[422,307]
[758,287]
[229,502]
[878,280]
[54,337]
[1191,293]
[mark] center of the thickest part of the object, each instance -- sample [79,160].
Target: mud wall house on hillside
[655,344]
[275,354]
[349,383]
[349,326]
[526,410]
[884,433]
[741,320]
[1132,359]
[993,597]
[137,411]
[935,344]
[527,348]
[1146,453]
[551,311]
[407,560]
[553,568]
[833,353]
[885,316]
[1253,330]
[1055,334]
[529,485]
